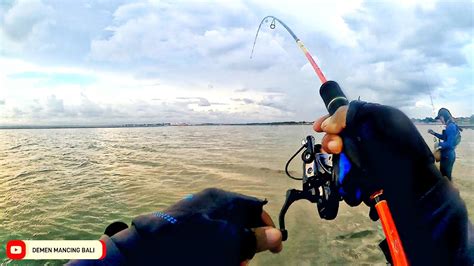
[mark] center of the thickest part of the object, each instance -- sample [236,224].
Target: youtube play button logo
[56,249]
[16,249]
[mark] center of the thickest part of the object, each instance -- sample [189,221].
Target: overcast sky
[96,62]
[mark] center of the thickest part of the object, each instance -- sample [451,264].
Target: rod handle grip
[332,96]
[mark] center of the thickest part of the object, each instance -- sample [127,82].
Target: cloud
[54,105]
[274,103]
[53,110]
[24,17]
[200,101]
[436,34]
[244,100]
[52,33]
[442,40]
[106,60]
[203,102]
[401,58]
[190,36]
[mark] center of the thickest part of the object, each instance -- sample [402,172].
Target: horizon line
[141,125]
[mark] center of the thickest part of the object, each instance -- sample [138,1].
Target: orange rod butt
[393,239]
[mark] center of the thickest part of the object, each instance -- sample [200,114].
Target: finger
[114,228]
[335,123]
[267,220]
[245,263]
[268,238]
[332,143]
[317,123]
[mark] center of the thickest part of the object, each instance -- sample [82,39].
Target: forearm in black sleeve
[394,155]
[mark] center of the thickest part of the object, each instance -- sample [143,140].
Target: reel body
[320,182]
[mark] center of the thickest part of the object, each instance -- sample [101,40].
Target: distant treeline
[152,125]
[460,120]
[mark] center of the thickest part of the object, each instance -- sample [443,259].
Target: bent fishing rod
[436,152]
[321,172]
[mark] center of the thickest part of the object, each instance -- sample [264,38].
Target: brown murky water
[71,183]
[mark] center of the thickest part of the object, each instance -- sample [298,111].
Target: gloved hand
[212,227]
[431,131]
[387,152]
[384,144]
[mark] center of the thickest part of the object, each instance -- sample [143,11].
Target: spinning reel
[320,182]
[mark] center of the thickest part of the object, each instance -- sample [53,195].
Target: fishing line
[300,44]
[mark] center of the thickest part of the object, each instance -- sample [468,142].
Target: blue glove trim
[358,194]
[166,217]
[342,192]
[188,197]
[344,167]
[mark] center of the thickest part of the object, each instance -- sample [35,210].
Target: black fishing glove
[387,152]
[212,227]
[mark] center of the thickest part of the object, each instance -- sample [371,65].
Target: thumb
[268,238]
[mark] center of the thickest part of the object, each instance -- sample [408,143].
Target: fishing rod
[429,90]
[436,150]
[300,44]
[321,171]
[432,104]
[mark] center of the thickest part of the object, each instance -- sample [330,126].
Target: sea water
[72,183]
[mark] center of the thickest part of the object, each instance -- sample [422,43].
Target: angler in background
[450,137]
